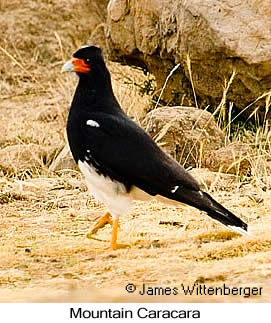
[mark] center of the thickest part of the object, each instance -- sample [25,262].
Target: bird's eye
[87,60]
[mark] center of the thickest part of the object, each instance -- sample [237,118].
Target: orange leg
[114,244]
[106,219]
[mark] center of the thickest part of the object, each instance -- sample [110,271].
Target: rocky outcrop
[63,161]
[187,134]
[211,39]
[213,181]
[97,19]
[235,158]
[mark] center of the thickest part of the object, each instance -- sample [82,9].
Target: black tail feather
[204,202]
[220,213]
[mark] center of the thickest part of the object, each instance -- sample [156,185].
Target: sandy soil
[45,216]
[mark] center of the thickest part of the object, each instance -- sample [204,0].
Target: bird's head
[84,60]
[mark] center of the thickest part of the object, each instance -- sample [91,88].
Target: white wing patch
[93,123]
[84,46]
[174,189]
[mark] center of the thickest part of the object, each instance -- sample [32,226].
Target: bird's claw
[113,246]
[116,246]
[90,236]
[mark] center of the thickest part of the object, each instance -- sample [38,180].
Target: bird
[118,159]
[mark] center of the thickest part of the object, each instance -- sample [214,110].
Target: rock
[187,134]
[134,102]
[210,181]
[261,166]
[18,159]
[235,158]
[220,37]
[97,17]
[63,161]
[117,9]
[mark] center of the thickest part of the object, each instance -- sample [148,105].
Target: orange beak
[77,65]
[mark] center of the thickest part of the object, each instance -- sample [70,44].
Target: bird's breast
[106,190]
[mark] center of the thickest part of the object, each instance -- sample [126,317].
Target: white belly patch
[112,193]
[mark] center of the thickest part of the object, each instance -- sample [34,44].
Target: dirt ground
[45,216]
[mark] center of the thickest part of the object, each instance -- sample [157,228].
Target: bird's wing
[125,152]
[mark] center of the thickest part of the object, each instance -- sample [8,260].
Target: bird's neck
[94,89]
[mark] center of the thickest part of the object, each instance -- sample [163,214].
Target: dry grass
[45,216]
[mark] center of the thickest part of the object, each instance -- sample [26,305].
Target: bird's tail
[204,202]
[218,212]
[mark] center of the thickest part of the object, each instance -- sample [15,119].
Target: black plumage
[103,136]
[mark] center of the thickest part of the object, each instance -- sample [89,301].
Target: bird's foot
[116,246]
[105,219]
[90,236]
